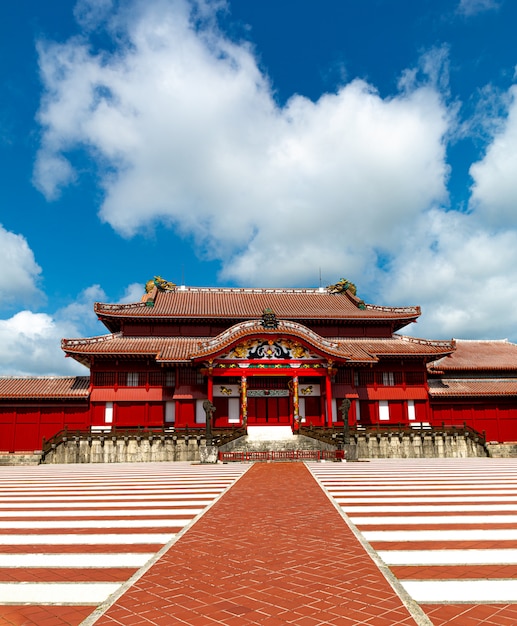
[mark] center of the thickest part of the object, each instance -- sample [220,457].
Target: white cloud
[494,191]
[30,345]
[185,129]
[20,272]
[463,275]
[90,14]
[133,293]
[30,342]
[473,7]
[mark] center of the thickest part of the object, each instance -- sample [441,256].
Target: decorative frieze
[268,393]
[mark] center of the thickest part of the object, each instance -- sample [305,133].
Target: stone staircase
[274,439]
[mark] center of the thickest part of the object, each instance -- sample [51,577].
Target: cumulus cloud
[133,293]
[495,182]
[185,130]
[463,275]
[20,275]
[30,345]
[30,342]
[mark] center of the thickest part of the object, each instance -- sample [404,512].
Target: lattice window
[155,379]
[388,379]
[415,378]
[104,379]
[344,376]
[133,379]
[366,378]
[188,376]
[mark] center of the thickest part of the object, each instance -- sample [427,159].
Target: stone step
[269,433]
[295,442]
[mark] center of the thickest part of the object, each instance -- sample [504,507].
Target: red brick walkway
[273,550]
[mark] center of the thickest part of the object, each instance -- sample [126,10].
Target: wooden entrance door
[270,411]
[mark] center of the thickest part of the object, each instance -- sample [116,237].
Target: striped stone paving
[72,535]
[397,542]
[447,529]
[273,550]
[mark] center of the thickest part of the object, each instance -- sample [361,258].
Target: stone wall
[20,458]
[502,450]
[111,450]
[415,446]
[397,446]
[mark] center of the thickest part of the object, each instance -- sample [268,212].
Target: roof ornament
[160,283]
[269,320]
[342,286]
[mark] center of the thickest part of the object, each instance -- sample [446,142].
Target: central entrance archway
[269,401]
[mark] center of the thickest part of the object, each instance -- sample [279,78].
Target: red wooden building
[263,356]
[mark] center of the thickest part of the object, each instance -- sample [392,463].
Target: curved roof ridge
[416,310]
[89,340]
[106,306]
[300,290]
[483,340]
[237,331]
[440,343]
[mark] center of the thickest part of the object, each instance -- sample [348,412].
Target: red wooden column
[328,398]
[296,402]
[210,390]
[244,400]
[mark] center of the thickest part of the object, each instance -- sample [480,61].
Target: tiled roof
[51,388]
[181,349]
[285,328]
[478,355]
[204,303]
[459,387]
[163,348]
[401,345]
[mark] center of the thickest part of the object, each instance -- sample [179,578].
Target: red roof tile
[163,348]
[51,388]
[181,349]
[478,355]
[401,345]
[229,303]
[450,387]
[287,328]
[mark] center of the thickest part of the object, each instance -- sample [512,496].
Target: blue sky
[256,144]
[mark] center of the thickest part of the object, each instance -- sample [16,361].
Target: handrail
[218,435]
[282,455]
[423,428]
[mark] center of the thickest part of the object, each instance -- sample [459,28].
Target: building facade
[263,356]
